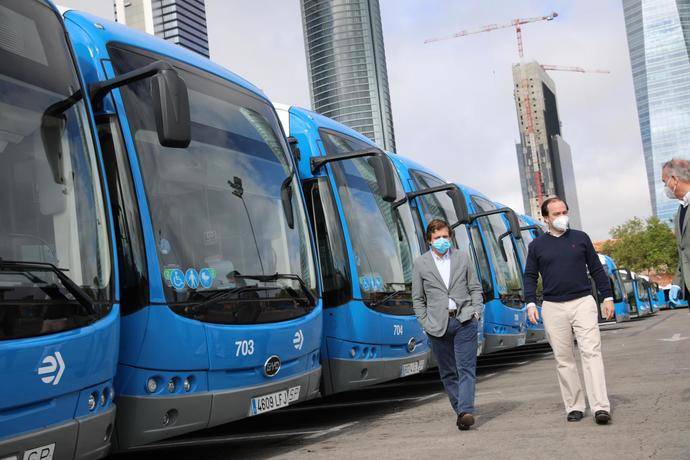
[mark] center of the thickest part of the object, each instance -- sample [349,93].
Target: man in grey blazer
[447,300]
[676,177]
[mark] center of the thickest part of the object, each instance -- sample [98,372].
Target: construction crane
[571,69]
[530,141]
[517,23]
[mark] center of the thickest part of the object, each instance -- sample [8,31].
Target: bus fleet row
[176,252]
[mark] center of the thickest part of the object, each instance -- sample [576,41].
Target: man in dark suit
[675,175]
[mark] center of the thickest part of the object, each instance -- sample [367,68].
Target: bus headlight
[151,385]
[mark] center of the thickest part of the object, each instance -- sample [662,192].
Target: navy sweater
[563,263]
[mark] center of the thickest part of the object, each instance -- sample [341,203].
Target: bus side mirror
[385,177]
[459,205]
[171,109]
[514,225]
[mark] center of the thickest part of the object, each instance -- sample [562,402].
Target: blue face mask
[442,245]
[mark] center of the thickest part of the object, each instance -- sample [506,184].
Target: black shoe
[465,421]
[575,416]
[602,417]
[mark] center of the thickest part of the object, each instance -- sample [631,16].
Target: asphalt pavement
[519,411]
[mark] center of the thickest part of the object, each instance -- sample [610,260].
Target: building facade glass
[347,65]
[180,21]
[658,41]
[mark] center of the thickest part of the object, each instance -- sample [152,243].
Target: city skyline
[452,102]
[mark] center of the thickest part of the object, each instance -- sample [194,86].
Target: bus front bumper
[350,374]
[84,438]
[498,342]
[146,419]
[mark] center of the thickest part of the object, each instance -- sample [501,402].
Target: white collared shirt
[686,200]
[443,265]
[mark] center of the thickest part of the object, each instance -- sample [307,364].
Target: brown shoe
[465,421]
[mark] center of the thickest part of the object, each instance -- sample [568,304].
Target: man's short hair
[436,225]
[545,205]
[679,168]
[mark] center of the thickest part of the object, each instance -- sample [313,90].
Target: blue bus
[221,316]
[636,293]
[620,299]
[366,241]
[675,297]
[496,259]
[439,201]
[658,298]
[529,230]
[59,310]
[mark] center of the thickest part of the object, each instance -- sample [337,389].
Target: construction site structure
[544,158]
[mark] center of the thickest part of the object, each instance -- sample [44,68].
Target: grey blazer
[682,277]
[430,295]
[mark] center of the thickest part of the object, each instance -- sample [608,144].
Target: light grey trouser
[580,316]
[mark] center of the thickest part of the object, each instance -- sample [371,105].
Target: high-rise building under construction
[544,158]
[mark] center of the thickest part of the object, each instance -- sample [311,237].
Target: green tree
[643,246]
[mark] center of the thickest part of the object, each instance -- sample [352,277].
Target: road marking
[433,395]
[482,377]
[330,430]
[675,338]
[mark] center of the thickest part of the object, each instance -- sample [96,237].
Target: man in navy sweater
[563,257]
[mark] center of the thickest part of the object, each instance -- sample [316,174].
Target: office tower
[347,65]
[658,41]
[544,158]
[180,21]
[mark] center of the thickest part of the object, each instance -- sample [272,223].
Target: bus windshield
[225,250]
[506,268]
[51,202]
[383,235]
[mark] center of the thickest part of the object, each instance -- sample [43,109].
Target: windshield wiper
[77,291]
[378,302]
[286,276]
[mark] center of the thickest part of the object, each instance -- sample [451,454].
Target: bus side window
[484,269]
[330,243]
[128,233]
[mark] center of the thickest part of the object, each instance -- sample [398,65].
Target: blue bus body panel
[352,328]
[622,309]
[84,359]
[156,343]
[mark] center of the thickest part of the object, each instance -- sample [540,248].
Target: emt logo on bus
[54,365]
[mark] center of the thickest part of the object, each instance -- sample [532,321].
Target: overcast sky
[452,101]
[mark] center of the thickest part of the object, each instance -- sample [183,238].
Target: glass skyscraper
[347,65]
[658,40]
[180,21]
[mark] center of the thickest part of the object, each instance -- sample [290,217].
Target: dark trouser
[456,355]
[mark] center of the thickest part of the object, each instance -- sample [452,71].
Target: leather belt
[452,313]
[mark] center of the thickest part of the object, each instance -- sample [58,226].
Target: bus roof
[103,31]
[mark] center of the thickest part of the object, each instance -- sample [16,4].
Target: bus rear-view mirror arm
[459,204]
[510,214]
[170,100]
[385,176]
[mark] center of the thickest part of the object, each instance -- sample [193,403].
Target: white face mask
[670,194]
[560,223]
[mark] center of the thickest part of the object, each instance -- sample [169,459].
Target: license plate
[42,453]
[415,367]
[273,401]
